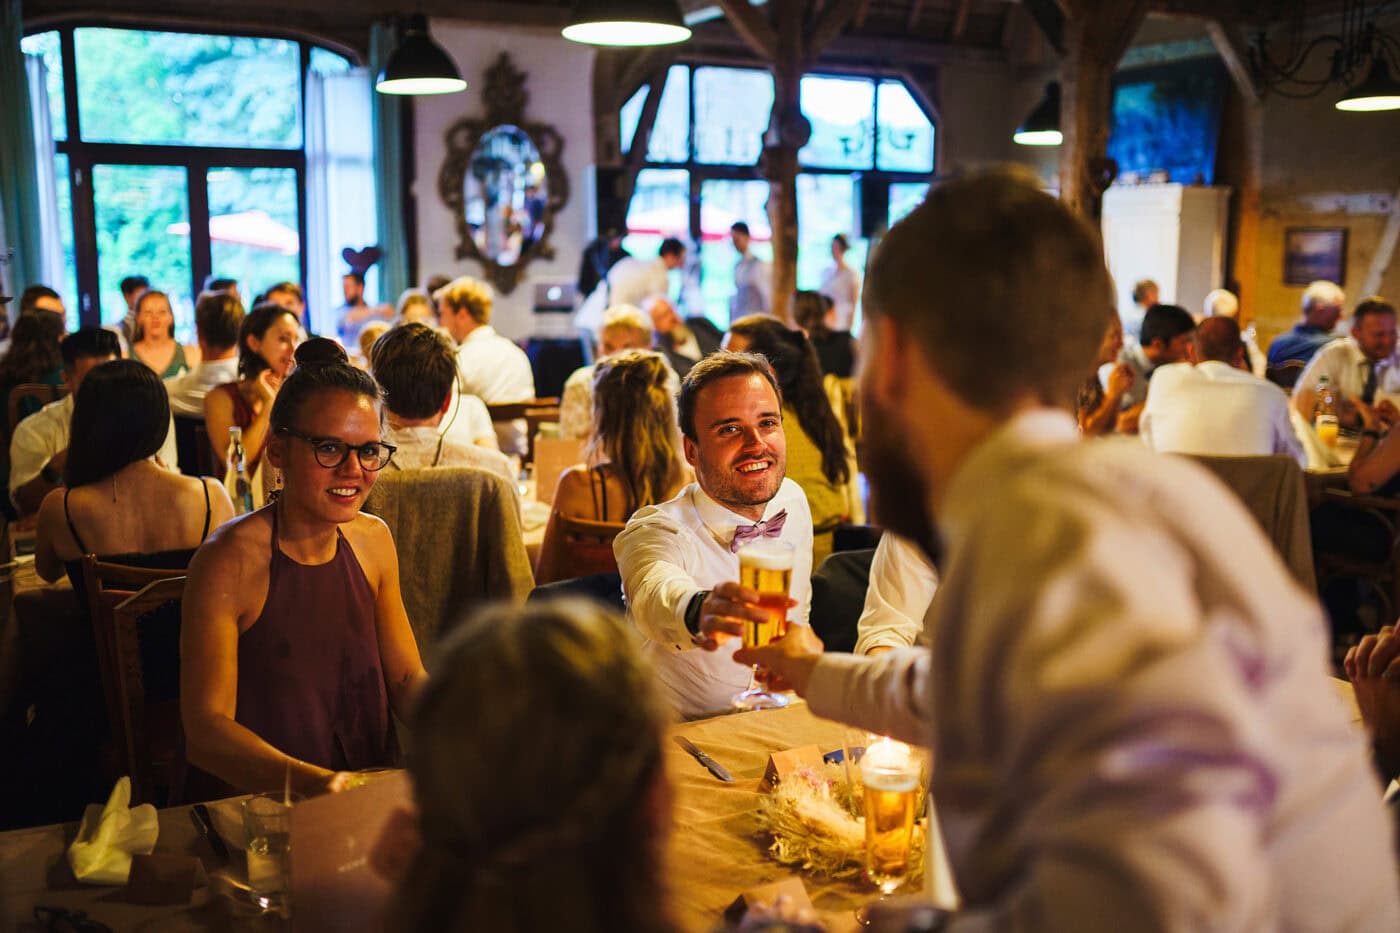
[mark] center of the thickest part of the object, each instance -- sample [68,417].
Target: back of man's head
[1218,339]
[217,318]
[417,366]
[1002,287]
[218,283]
[1323,293]
[30,298]
[1165,323]
[134,283]
[1222,303]
[467,294]
[89,343]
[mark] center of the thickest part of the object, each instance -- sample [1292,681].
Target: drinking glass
[267,821]
[765,566]
[890,773]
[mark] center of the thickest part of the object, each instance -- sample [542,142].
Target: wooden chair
[1285,375]
[534,411]
[39,393]
[107,586]
[150,729]
[586,548]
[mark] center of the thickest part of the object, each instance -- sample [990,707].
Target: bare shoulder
[241,542]
[368,533]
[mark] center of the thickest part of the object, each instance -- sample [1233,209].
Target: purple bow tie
[770,528]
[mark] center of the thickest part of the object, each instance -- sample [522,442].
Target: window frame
[197,160]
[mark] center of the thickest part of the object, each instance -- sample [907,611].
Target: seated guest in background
[492,367]
[218,316]
[902,585]
[370,333]
[1223,303]
[356,312]
[1322,307]
[40,298]
[267,343]
[295,644]
[1218,408]
[288,295]
[1376,460]
[836,349]
[683,343]
[624,328]
[33,356]
[133,287]
[39,446]
[417,368]
[566,831]
[678,559]
[153,339]
[1112,628]
[633,458]
[1166,338]
[820,458]
[1098,405]
[415,305]
[118,503]
[1360,367]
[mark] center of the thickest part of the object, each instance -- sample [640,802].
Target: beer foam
[895,781]
[765,557]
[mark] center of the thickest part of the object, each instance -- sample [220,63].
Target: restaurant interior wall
[558,80]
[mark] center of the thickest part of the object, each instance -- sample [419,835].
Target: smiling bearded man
[678,561]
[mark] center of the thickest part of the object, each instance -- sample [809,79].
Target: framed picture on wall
[1312,253]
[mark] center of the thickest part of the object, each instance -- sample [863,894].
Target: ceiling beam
[1234,52]
[752,26]
[915,8]
[834,17]
[960,19]
[1051,20]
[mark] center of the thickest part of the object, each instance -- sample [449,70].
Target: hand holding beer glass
[765,567]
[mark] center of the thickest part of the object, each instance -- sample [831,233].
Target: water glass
[267,822]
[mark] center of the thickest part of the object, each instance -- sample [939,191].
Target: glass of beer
[889,773]
[765,566]
[1327,430]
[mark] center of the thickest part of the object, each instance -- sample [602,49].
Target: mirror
[507,192]
[503,180]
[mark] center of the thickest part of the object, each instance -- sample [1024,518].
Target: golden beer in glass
[890,775]
[765,567]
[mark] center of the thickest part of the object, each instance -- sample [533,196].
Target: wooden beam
[915,8]
[751,26]
[862,13]
[1051,20]
[960,20]
[1385,250]
[834,17]
[787,132]
[1230,43]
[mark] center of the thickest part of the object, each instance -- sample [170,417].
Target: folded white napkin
[109,836]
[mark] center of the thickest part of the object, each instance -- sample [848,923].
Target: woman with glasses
[295,645]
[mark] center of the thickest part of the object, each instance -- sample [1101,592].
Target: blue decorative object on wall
[1167,119]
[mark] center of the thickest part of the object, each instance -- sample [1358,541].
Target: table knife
[199,813]
[714,767]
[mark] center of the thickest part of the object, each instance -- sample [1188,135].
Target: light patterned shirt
[1132,721]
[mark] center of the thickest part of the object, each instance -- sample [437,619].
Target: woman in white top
[841,283]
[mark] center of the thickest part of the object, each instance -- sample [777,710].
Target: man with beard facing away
[1131,719]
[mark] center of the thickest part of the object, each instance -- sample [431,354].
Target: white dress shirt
[187,390]
[1346,367]
[632,281]
[669,552]
[423,446]
[468,422]
[1213,409]
[753,288]
[1134,727]
[842,286]
[902,584]
[494,369]
[41,436]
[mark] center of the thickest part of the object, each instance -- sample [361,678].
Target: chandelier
[1361,57]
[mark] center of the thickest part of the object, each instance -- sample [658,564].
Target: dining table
[716,849]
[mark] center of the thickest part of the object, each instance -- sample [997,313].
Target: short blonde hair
[627,317]
[369,334]
[1322,292]
[467,293]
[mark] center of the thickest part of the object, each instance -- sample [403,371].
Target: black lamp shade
[419,65]
[1378,92]
[627,22]
[1042,126]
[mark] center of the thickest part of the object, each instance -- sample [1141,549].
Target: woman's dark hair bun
[321,351]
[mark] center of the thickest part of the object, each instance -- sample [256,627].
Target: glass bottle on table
[1325,413]
[240,488]
[765,567]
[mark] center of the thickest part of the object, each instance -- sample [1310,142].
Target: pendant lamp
[627,22]
[419,65]
[1042,126]
[1378,92]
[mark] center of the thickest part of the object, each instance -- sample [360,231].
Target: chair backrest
[192,447]
[534,411]
[1285,375]
[106,586]
[459,541]
[150,730]
[31,396]
[587,548]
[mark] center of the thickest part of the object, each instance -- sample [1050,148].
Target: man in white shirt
[633,281]
[902,584]
[417,368]
[753,278]
[678,559]
[1362,366]
[217,319]
[492,367]
[1134,727]
[624,328]
[39,445]
[1217,407]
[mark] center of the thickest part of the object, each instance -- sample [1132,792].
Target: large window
[176,156]
[870,137]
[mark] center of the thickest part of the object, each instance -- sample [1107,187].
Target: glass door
[254,231]
[142,218]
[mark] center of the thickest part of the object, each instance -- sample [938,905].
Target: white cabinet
[1172,234]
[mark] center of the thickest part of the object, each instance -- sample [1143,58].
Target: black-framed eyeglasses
[331,452]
